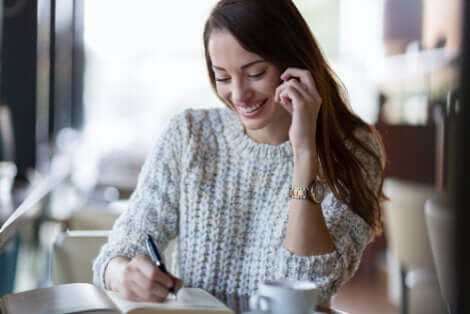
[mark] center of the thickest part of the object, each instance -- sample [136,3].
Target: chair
[441,225]
[93,218]
[73,253]
[408,241]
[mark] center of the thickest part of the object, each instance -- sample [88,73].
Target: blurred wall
[402,24]
[442,23]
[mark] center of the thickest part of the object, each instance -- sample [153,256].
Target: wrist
[113,271]
[305,153]
[305,169]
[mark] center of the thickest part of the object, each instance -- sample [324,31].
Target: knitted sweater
[225,197]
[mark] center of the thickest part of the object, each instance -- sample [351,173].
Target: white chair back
[441,226]
[405,222]
[73,253]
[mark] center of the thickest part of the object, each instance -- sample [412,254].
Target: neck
[274,134]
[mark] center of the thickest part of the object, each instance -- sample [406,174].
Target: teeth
[250,109]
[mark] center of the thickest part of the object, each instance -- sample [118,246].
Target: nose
[241,92]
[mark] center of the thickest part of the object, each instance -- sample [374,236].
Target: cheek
[222,92]
[271,84]
[270,88]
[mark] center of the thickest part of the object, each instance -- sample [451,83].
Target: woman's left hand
[299,95]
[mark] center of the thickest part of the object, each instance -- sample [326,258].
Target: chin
[256,124]
[253,125]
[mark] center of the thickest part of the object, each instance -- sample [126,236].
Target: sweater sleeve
[349,232]
[153,206]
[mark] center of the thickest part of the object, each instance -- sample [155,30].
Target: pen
[156,259]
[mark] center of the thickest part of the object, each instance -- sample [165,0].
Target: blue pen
[156,259]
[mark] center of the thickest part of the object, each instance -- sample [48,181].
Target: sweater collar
[241,142]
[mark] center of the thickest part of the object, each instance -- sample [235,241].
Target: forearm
[307,233]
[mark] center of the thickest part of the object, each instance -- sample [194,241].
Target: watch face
[318,192]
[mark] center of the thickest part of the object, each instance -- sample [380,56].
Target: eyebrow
[242,67]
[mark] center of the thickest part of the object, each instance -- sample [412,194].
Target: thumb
[286,104]
[177,283]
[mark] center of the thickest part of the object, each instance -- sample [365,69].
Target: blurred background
[87,86]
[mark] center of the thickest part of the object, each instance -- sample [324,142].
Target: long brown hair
[276,31]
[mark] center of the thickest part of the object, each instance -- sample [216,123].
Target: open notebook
[83,297]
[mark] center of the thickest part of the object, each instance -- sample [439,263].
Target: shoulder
[200,129]
[196,128]
[197,120]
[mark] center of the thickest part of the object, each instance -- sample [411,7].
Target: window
[144,63]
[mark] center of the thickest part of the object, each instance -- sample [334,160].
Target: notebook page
[187,299]
[67,298]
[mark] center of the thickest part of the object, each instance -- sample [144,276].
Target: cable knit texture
[225,197]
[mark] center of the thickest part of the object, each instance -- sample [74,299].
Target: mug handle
[256,301]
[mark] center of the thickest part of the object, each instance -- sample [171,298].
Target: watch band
[299,193]
[314,192]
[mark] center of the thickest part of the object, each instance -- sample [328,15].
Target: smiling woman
[247,83]
[284,183]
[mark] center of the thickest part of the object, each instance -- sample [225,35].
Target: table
[240,304]
[237,303]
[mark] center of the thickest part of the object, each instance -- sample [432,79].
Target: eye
[222,80]
[257,75]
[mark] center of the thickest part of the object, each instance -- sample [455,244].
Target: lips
[252,109]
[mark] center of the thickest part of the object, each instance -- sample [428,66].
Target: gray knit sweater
[225,197]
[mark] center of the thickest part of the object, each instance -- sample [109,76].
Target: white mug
[285,296]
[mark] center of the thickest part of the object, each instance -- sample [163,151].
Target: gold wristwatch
[314,192]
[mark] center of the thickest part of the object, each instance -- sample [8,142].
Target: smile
[251,109]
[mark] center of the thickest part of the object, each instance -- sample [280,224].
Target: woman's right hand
[139,279]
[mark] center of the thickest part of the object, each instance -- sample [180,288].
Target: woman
[284,183]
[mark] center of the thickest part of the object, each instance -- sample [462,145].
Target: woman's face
[247,83]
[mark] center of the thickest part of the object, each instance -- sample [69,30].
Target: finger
[128,294]
[303,75]
[285,103]
[135,292]
[301,88]
[136,286]
[282,88]
[178,284]
[302,95]
[293,96]
[151,290]
[152,272]
[278,90]
[142,285]
[305,78]
[313,95]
